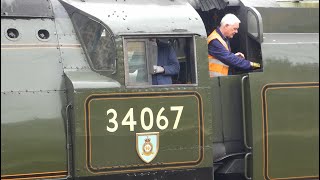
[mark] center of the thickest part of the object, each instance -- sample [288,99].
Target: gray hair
[230,19]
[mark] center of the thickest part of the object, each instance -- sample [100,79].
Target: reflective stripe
[216,61]
[219,69]
[216,67]
[215,74]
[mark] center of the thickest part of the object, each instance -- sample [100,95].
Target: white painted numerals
[161,118]
[128,120]
[112,120]
[146,119]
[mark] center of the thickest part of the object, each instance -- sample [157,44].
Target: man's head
[229,25]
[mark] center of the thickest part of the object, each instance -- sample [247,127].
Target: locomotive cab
[272,34]
[115,117]
[231,105]
[89,64]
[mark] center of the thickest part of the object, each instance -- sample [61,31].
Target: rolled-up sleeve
[217,50]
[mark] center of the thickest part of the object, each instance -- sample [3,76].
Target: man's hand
[158,69]
[240,55]
[255,65]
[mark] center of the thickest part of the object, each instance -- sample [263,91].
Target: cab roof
[141,16]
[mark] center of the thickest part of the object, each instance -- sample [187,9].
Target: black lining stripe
[265,133]
[148,166]
[36,175]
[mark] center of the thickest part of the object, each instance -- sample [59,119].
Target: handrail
[69,143]
[244,113]
[246,166]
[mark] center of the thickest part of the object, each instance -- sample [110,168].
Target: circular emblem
[147,147]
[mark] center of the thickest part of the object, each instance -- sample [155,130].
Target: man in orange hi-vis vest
[219,51]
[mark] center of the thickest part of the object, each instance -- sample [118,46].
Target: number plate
[113,120]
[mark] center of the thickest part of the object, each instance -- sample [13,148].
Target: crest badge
[147,145]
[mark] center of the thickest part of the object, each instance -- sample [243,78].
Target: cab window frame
[254,15]
[111,65]
[190,61]
[126,62]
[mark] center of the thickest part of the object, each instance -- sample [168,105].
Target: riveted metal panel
[124,17]
[65,30]
[72,55]
[31,68]
[74,58]
[28,31]
[30,63]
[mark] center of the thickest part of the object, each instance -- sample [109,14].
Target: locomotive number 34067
[162,121]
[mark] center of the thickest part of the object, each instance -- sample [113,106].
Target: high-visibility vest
[216,67]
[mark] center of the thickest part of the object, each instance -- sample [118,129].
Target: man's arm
[217,50]
[173,66]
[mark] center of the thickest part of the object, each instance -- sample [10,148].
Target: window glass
[98,42]
[185,51]
[137,64]
[177,60]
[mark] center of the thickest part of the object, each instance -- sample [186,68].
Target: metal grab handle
[69,106]
[246,166]
[244,113]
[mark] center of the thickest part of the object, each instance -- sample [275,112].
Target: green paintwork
[118,148]
[290,55]
[296,125]
[228,114]
[171,141]
[292,133]
[121,144]
[32,98]
[40,77]
[301,4]
[285,19]
[291,112]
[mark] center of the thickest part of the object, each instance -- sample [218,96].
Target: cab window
[141,56]
[97,41]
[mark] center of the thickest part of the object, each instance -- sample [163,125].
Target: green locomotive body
[77,100]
